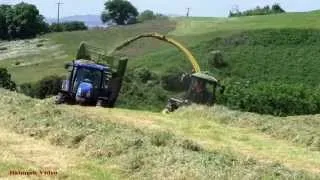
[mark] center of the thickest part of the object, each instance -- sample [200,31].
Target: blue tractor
[92,79]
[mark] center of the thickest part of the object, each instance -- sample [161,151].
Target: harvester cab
[202,90]
[92,79]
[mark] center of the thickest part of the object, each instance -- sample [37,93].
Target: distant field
[205,25]
[38,62]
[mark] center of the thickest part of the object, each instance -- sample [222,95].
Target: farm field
[265,126]
[119,143]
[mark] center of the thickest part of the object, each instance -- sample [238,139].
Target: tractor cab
[202,90]
[86,81]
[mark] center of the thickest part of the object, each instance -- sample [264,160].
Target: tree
[276,8]
[5,80]
[119,11]
[146,15]
[3,21]
[26,21]
[21,21]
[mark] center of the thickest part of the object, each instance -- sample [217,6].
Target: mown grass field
[191,144]
[273,57]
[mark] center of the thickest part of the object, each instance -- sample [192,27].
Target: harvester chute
[160,37]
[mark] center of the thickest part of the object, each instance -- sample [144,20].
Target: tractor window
[198,92]
[88,75]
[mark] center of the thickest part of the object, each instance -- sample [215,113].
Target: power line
[59,4]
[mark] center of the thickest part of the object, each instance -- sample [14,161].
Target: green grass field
[191,144]
[191,32]
[271,59]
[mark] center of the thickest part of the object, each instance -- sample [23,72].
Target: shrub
[216,60]
[272,98]
[173,81]
[276,8]
[143,74]
[141,90]
[5,80]
[68,26]
[47,86]
[146,15]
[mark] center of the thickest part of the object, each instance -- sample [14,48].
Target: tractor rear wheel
[102,102]
[60,98]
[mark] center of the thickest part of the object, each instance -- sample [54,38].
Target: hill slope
[271,71]
[132,144]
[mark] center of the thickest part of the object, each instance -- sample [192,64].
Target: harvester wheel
[102,102]
[165,111]
[60,98]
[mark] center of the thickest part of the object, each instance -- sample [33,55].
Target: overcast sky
[173,7]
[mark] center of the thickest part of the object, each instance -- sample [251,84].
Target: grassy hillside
[272,60]
[269,71]
[111,144]
[195,26]
[192,31]
[46,55]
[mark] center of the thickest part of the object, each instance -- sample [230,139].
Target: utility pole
[188,12]
[59,4]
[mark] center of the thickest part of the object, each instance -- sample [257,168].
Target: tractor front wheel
[60,98]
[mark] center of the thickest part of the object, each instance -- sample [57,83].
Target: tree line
[274,9]
[21,21]
[24,20]
[122,12]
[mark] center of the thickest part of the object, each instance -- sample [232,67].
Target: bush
[5,80]
[275,9]
[141,90]
[68,26]
[172,81]
[47,86]
[146,15]
[217,60]
[272,98]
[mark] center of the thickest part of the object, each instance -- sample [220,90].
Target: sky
[208,8]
